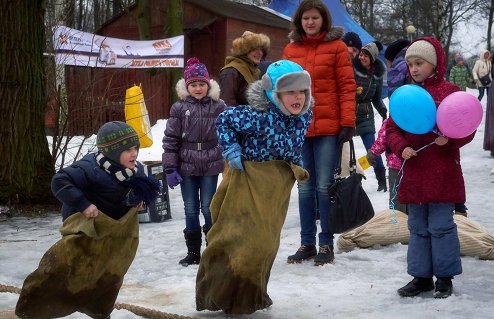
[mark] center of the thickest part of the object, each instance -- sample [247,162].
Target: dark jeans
[197,193]
[483,89]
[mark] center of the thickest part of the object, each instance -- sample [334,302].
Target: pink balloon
[459,115]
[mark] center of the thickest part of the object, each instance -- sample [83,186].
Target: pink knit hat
[195,71]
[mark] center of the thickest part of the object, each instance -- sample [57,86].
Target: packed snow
[360,284]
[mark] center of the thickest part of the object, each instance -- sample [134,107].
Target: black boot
[193,240]
[444,287]
[416,286]
[381,179]
[303,253]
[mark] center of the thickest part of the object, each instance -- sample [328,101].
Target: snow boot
[303,253]
[381,179]
[324,256]
[193,240]
[444,287]
[416,286]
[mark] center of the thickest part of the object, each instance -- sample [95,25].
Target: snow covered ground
[360,284]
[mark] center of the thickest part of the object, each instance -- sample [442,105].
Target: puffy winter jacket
[369,88]
[190,143]
[434,175]
[85,182]
[398,73]
[333,83]
[262,130]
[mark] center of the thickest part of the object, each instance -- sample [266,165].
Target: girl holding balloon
[432,179]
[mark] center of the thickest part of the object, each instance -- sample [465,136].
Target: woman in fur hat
[317,46]
[241,67]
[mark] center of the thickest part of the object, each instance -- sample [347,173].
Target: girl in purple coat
[192,156]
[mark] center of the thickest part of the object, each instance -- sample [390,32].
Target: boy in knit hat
[192,155]
[432,181]
[100,195]
[353,42]
[262,143]
[110,181]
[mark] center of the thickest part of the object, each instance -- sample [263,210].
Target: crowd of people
[284,123]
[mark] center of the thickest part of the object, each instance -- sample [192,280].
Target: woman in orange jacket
[317,46]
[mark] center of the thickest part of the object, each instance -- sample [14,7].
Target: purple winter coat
[190,143]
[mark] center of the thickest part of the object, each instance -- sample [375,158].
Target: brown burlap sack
[475,240]
[248,211]
[84,270]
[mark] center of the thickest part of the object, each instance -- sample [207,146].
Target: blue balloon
[412,108]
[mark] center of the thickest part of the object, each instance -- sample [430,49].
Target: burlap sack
[84,270]
[248,211]
[475,240]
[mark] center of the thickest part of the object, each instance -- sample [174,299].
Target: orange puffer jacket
[333,83]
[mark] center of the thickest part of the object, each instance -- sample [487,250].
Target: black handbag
[349,205]
[485,80]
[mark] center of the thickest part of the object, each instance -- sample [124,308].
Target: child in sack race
[432,182]
[262,144]
[100,195]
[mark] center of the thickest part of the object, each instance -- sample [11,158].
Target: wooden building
[97,95]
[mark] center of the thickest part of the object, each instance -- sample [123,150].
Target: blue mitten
[234,156]
[173,178]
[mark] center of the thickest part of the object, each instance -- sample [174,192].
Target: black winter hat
[352,39]
[115,137]
[394,48]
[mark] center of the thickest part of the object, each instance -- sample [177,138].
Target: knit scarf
[242,64]
[143,188]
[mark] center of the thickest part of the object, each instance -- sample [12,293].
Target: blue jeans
[197,193]
[483,89]
[319,155]
[369,139]
[434,247]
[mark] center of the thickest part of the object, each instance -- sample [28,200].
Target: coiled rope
[140,311]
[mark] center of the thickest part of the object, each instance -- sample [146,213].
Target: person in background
[317,46]
[369,72]
[192,155]
[482,67]
[241,67]
[432,182]
[353,42]
[397,65]
[459,74]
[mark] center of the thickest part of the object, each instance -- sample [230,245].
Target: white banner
[74,47]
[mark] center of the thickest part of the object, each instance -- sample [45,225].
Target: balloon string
[392,213]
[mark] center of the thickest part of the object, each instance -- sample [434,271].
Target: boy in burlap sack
[100,195]
[262,143]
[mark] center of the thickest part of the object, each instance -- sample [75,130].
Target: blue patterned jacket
[262,130]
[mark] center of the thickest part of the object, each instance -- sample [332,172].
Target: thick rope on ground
[140,311]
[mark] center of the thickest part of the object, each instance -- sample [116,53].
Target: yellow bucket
[364,163]
[136,115]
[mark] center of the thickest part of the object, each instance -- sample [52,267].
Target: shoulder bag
[349,205]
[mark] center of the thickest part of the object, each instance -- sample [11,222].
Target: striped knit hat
[115,137]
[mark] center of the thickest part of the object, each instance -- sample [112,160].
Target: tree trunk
[174,28]
[25,170]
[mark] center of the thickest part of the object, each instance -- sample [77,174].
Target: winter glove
[345,135]
[173,178]
[234,156]
[371,158]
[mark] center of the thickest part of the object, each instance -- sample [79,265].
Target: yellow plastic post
[136,115]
